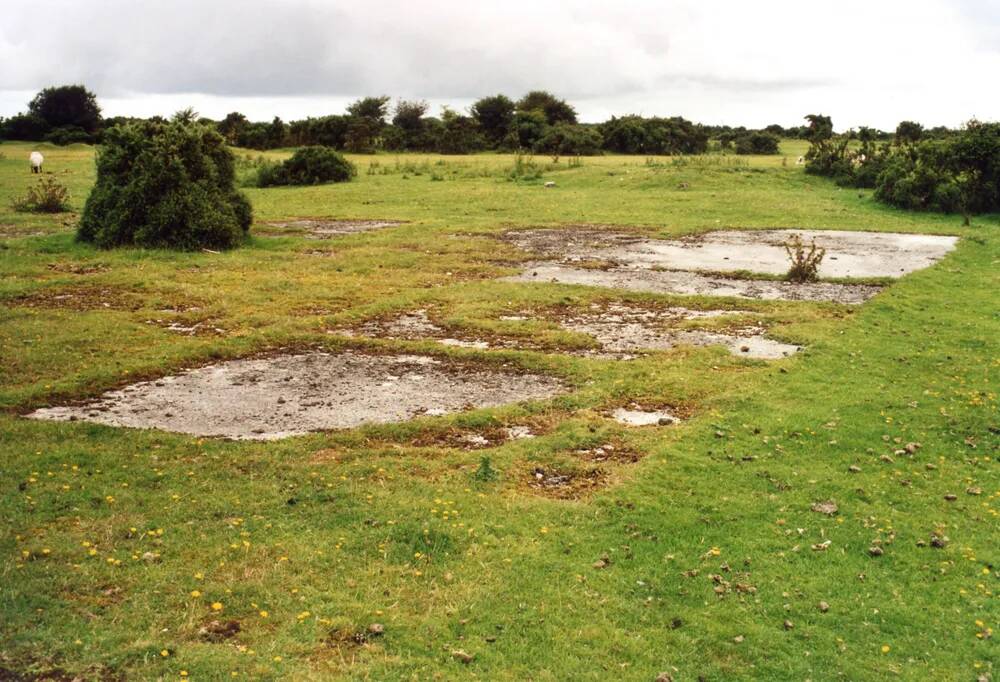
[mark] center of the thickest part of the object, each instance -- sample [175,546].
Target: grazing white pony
[36,159]
[800,161]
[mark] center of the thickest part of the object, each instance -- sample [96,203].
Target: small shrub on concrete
[47,196]
[805,260]
[312,165]
[165,184]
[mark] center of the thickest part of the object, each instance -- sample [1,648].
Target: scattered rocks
[875,551]
[218,631]
[788,625]
[973,490]
[823,607]
[462,656]
[639,417]
[376,630]
[950,497]
[854,469]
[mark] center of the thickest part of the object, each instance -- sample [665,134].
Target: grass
[115,544]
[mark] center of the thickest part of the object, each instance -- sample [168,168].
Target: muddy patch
[694,284]
[289,395]
[624,329]
[317,228]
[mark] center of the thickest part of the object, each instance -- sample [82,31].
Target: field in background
[119,548]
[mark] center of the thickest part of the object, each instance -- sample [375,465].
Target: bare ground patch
[80,297]
[579,473]
[690,265]
[286,395]
[321,228]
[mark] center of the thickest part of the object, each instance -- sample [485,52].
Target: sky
[863,62]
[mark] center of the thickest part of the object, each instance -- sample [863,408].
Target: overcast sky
[865,62]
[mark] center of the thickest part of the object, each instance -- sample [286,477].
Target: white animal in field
[36,159]
[550,184]
[799,161]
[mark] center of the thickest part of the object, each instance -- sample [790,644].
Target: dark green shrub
[804,261]
[313,165]
[570,140]
[47,196]
[165,185]
[67,105]
[24,127]
[68,135]
[757,143]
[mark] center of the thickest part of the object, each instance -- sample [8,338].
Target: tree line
[538,122]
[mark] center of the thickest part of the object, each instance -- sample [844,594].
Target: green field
[118,546]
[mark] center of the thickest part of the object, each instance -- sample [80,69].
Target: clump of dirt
[566,484]
[641,417]
[321,228]
[219,631]
[473,439]
[286,395]
[82,298]
[187,327]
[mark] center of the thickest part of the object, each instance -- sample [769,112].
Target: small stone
[930,467]
[664,677]
[744,349]
[875,550]
[460,655]
[973,491]
[376,629]
[150,557]
[887,459]
[939,541]
[951,497]
[854,469]
[911,448]
[788,624]
[738,639]
[823,607]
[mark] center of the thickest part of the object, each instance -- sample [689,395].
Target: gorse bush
[165,184]
[47,196]
[307,166]
[958,172]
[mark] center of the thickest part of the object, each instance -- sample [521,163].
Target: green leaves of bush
[165,185]
[307,166]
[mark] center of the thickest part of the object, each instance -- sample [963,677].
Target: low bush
[757,143]
[47,196]
[165,184]
[804,261]
[312,165]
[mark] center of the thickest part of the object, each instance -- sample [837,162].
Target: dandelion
[195,593]
[885,648]
[216,606]
[264,614]
[164,653]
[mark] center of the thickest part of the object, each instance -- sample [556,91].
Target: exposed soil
[288,395]
[693,283]
[643,417]
[82,297]
[627,329]
[848,253]
[318,228]
[589,470]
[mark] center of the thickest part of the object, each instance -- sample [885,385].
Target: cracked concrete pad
[848,253]
[693,283]
[323,229]
[287,395]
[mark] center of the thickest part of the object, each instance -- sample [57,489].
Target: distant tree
[820,127]
[526,129]
[277,133]
[775,129]
[367,119]
[67,105]
[409,115]
[460,134]
[374,108]
[909,132]
[555,109]
[232,127]
[494,115]
[570,140]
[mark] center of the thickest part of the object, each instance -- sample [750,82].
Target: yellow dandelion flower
[886,648]
[195,593]
[216,606]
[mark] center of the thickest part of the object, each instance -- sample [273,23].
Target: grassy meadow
[703,559]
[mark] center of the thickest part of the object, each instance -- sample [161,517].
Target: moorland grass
[118,546]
